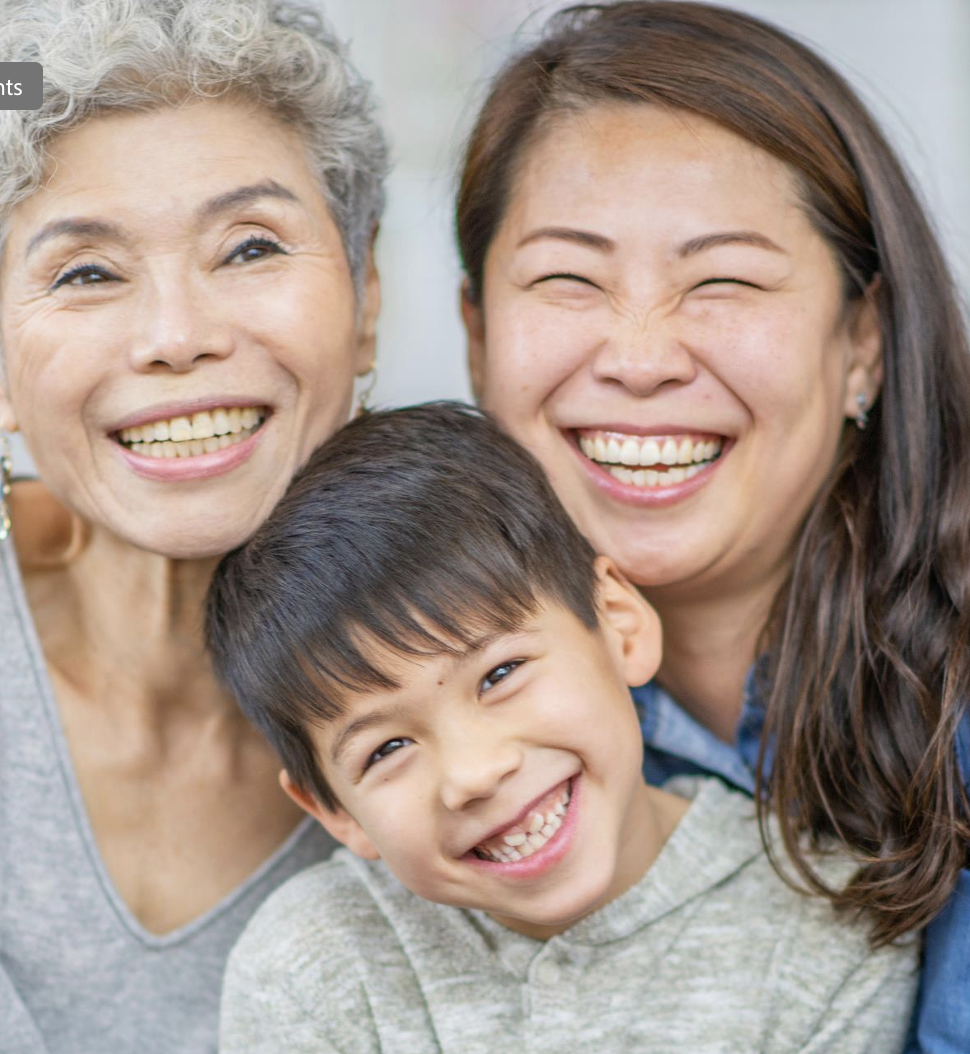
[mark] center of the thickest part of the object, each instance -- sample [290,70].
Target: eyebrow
[711,241]
[358,725]
[81,227]
[569,234]
[233,199]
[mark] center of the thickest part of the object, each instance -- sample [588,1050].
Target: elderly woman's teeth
[202,433]
[525,838]
[650,461]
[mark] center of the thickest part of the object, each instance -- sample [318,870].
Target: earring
[862,417]
[362,407]
[6,471]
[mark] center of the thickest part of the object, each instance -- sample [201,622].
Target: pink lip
[201,466]
[647,497]
[542,860]
[165,411]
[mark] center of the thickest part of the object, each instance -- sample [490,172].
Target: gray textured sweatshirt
[709,952]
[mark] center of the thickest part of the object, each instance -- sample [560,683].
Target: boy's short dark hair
[420,530]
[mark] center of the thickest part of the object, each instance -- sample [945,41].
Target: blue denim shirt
[675,744]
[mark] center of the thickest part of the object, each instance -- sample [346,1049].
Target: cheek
[529,354]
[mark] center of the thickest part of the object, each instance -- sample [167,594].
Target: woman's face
[178,322]
[663,328]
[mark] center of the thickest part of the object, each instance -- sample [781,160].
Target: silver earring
[6,471]
[862,417]
[362,407]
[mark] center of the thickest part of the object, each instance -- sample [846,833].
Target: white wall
[430,60]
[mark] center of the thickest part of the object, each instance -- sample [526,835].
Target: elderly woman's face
[664,329]
[179,323]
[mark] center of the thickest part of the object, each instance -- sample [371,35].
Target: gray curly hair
[139,55]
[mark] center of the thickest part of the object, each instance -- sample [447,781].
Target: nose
[643,353]
[475,761]
[179,325]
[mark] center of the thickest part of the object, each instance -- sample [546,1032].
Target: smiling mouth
[190,436]
[522,839]
[649,461]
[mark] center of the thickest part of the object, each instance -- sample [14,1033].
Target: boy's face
[507,778]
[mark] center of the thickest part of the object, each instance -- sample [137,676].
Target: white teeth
[180,429]
[529,837]
[202,425]
[651,461]
[205,433]
[630,452]
[650,452]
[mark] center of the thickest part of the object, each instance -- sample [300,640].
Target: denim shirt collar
[676,744]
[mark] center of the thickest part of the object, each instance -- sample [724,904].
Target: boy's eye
[386,750]
[255,247]
[500,672]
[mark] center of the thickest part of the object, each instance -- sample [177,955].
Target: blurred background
[430,61]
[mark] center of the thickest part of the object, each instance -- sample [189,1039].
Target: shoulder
[319,915]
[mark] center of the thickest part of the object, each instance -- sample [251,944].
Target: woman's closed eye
[499,673]
[726,280]
[566,276]
[255,247]
[385,750]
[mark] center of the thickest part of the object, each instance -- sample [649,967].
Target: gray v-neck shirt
[78,973]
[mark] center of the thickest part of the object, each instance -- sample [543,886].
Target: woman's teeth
[202,433]
[523,839]
[650,461]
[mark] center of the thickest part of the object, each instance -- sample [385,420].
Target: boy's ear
[474,319]
[337,822]
[630,621]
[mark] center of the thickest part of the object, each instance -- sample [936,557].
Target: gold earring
[6,471]
[362,407]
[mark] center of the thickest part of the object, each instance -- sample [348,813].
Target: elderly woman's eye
[84,274]
[254,248]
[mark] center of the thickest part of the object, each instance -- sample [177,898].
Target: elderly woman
[701,290]
[186,296]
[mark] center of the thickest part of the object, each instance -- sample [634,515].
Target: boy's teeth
[202,433]
[650,461]
[532,833]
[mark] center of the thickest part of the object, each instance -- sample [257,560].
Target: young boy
[442,663]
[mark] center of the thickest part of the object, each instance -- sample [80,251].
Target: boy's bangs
[442,618]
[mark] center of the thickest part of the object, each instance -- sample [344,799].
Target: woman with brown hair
[702,291]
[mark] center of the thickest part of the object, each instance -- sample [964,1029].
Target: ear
[8,422]
[368,310]
[474,319]
[864,375]
[630,622]
[338,823]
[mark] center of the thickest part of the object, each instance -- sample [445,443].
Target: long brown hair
[868,670]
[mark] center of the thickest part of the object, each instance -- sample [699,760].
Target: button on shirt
[676,745]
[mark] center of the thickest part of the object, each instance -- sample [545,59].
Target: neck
[711,638]
[123,628]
